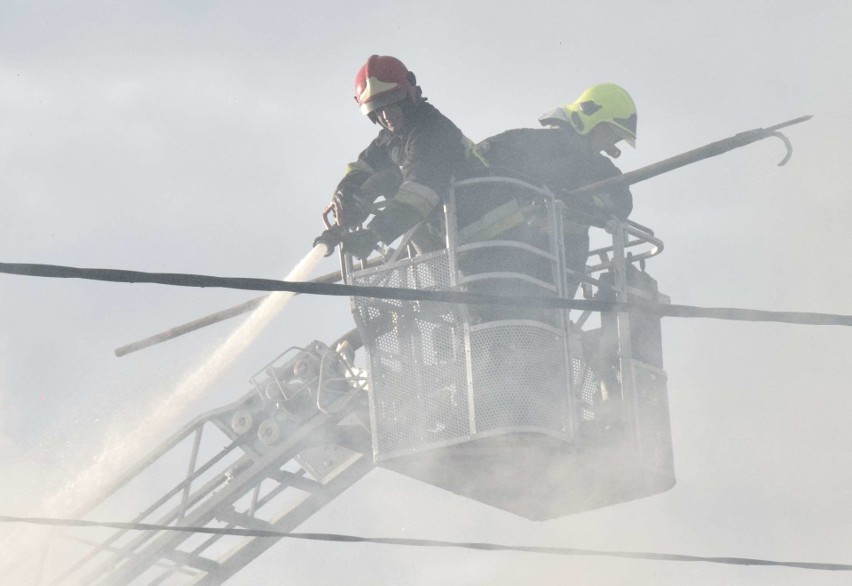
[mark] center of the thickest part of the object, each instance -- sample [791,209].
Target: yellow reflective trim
[358,165]
[494,223]
[472,151]
[418,196]
[423,208]
[499,227]
[421,191]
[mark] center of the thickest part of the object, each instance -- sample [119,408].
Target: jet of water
[83,490]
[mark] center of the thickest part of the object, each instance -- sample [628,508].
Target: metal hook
[787,145]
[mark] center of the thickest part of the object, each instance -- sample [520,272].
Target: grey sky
[207,136]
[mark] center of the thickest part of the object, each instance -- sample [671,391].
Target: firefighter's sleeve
[411,204]
[619,200]
[354,203]
[426,173]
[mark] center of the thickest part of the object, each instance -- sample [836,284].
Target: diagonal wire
[342,538]
[313,288]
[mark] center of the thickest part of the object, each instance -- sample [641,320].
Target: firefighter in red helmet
[411,162]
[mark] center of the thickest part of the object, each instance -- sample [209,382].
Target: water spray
[81,492]
[118,456]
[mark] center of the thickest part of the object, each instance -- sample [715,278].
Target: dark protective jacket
[423,157]
[559,159]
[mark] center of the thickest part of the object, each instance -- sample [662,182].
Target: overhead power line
[316,288]
[342,538]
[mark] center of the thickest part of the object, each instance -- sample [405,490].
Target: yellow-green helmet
[605,102]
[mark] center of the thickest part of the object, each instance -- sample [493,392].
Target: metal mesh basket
[442,374]
[417,359]
[652,419]
[420,354]
[519,378]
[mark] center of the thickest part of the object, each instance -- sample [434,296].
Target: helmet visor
[627,127]
[384,99]
[554,117]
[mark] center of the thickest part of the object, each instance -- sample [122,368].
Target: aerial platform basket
[539,412]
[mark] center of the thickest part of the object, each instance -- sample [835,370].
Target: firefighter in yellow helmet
[604,113]
[410,162]
[569,153]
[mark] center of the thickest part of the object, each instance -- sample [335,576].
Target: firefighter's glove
[330,237]
[601,201]
[602,210]
[360,243]
[350,207]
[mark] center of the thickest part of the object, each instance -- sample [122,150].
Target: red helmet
[381,81]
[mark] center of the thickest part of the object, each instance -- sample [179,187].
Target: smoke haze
[206,138]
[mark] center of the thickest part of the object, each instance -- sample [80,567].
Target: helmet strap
[613,151]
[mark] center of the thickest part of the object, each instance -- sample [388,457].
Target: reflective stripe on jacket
[425,155]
